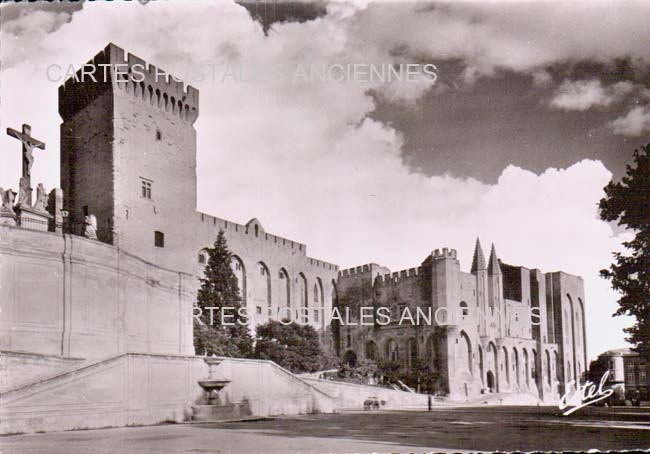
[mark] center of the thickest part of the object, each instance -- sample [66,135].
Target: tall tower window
[159,239]
[146,188]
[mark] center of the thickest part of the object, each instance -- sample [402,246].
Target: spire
[478,263]
[493,266]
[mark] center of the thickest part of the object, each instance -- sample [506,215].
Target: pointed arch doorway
[491,382]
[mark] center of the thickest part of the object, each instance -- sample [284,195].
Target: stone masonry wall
[71,296]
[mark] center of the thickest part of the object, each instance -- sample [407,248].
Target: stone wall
[19,367]
[272,390]
[350,396]
[565,294]
[291,282]
[74,297]
[138,389]
[87,168]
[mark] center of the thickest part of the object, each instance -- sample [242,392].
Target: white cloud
[634,123]
[523,36]
[306,159]
[584,94]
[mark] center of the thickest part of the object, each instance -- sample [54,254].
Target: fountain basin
[210,385]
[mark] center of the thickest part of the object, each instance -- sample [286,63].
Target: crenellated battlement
[278,241]
[112,68]
[446,253]
[400,275]
[362,269]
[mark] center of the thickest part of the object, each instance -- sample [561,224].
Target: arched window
[392,351]
[464,310]
[533,366]
[173,104]
[492,354]
[506,364]
[515,365]
[526,368]
[285,292]
[150,90]
[573,336]
[319,301]
[237,266]
[301,280]
[577,327]
[581,355]
[566,325]
[412,352]
[262,285]
[431,352]
[465,352]
[372,353]
[548,368]
[165,101]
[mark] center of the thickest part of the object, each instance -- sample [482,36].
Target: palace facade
[128,160]
[499,327]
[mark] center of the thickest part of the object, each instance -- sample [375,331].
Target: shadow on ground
[484,428]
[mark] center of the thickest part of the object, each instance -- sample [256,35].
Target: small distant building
[628,371]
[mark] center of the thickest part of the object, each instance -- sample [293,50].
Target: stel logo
[584,395]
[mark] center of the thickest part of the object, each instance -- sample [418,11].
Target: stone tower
[495,293]
[128,154]
[479,270]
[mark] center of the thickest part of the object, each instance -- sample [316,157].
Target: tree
[390,370]
[290,345]
[628,203]
[597,369]
[221,328]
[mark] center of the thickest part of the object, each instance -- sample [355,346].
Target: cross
[29,143]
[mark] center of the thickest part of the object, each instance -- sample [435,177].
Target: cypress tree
[222,329]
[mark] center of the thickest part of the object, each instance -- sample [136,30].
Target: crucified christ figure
[29,143]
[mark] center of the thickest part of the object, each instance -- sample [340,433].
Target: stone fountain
[211,385]
[215,408]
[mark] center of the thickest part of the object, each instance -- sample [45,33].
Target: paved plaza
[462,429]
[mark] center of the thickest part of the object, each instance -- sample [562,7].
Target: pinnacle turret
[493,266]
[478,263]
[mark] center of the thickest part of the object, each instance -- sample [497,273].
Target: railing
[33,224]
[105,235]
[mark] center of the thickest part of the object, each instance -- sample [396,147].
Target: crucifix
[29,143]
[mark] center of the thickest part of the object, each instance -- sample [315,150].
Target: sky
[534,108]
